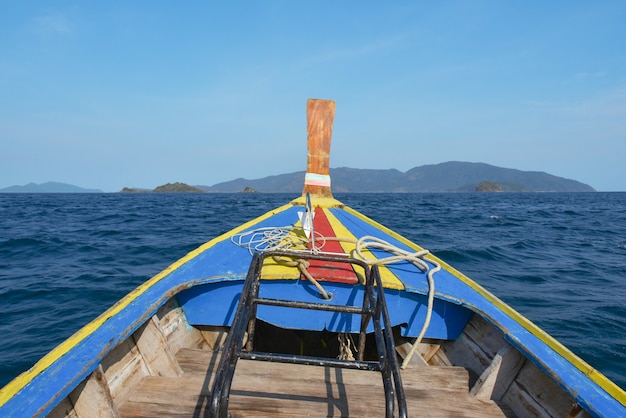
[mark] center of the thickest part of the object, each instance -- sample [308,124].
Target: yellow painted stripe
[23,379]
[389,279]
[273,270]
[594,375]
[316,201]
[277,271]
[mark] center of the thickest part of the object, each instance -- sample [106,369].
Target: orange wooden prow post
[320,116]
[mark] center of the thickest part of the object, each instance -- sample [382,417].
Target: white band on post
[314,179]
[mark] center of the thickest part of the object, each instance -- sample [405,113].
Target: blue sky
[112,94]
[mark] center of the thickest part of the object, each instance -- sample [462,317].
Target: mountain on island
[166,188]
[451,176]
[49,187]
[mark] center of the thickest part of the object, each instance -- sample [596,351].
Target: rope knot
[303,264]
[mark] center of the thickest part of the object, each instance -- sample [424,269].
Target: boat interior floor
[279,389]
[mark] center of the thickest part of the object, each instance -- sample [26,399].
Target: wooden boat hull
[478,356]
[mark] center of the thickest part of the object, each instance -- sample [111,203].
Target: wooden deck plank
[427,377]
[277,389]
[173,396]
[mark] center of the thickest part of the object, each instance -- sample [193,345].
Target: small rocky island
[488,186]
[166,188]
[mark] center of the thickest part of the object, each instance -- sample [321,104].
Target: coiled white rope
[284,238]
[275,238]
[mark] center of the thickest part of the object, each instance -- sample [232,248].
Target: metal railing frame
[374,308]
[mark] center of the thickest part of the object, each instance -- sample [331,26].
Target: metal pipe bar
[388,336]
[365,319]
[310,361]
[311,305]
[383,358]
[220,392]
[320,257]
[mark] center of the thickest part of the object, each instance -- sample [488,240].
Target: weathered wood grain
[214,337]
[320,117]
[176,329]
[154,349]
[404,350]
[93,398]
[536,388]
[496,379]
[63,410]
[124,368]
[277,389]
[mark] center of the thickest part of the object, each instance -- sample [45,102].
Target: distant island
[451,176]
[488,186]
[166,188]
[48,187]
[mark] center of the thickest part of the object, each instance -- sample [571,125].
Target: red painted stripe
[330,271]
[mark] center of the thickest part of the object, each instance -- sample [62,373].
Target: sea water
[557,258]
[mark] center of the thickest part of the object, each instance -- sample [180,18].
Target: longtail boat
[312,309]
